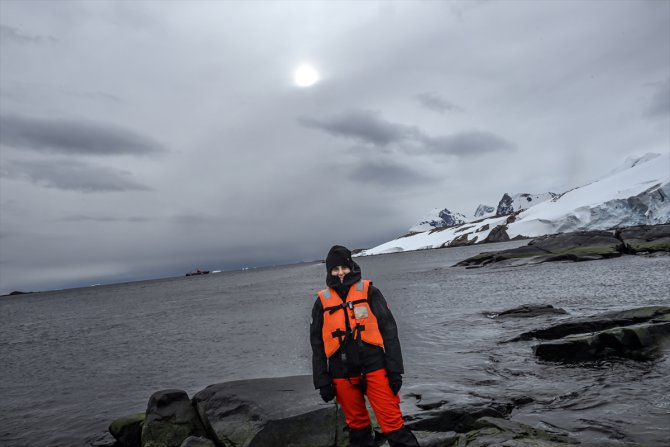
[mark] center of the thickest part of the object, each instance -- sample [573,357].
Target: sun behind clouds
[305,76]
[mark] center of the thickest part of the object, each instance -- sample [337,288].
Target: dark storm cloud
[72,176]
[660,102]
[468,144]
[70,137]
[436,103]
[362,125]
[9,33]
[387,174]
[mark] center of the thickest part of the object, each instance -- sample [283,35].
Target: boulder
[170,419]
[638,342]
[275,412]
[197,441]
[527,311]
[578,246]
[128,430]
[607,320]
[645,238]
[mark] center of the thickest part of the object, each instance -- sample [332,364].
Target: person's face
[340,271]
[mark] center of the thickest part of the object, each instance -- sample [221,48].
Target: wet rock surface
[606,320]
[526,311]
[636,334]
[269,412]
[170,419]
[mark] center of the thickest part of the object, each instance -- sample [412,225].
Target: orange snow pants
[384,403]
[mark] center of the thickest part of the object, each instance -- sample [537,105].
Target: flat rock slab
[607,320]
[276,412]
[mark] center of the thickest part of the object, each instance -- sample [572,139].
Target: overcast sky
[147,139]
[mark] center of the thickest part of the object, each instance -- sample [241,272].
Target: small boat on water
[198,272]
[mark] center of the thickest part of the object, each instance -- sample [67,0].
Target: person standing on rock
[356,352]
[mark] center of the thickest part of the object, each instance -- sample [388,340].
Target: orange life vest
[362,322]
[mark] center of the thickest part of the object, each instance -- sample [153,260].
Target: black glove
[327,392]
[395,382]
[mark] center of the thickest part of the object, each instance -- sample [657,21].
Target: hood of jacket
[342,288]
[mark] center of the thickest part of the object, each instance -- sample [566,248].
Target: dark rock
[197,441]
[527,311]
[638,342]
[102,439]
[492,432]
[607,320]
[498,234]
[269,413]
[578,246]
[170,419]
[435,439]
[128,430]
[18,292]
[458,418]
[483,228]
[505,206]
[645,238]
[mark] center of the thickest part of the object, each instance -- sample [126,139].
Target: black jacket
[360,359]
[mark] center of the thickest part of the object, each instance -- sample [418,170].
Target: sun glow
[305,76]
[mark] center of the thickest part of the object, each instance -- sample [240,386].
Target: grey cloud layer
[370,128]
[72,176]
[364,126]
[75,138]
[436,103]
[14,34]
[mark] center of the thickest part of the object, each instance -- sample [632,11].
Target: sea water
[74,360]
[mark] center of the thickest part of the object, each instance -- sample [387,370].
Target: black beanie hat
[338,255]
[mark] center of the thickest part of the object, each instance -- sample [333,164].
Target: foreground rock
[527,311]
[128,430]
[490,432]
[638,342]
[169,420]
[635,334]
[269,413]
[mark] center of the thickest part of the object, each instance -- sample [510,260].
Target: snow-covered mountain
[522,201]
[484,211]
[438,218]
[636,193]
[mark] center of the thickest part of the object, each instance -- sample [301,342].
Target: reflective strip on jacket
[362,322]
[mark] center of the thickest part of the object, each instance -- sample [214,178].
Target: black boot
[361,437]
[402,438]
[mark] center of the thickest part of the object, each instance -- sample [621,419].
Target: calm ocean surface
[73,360]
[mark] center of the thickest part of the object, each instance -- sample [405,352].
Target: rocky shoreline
[579,246]
[286,411]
